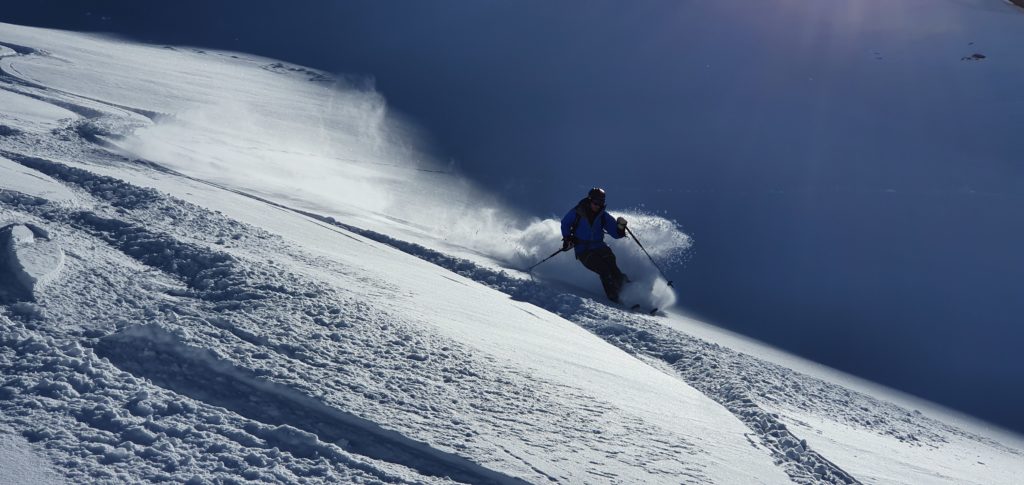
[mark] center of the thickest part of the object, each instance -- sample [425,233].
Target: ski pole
[547,258]
[648,256]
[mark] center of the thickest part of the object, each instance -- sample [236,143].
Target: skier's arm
[567,223]
[611,226]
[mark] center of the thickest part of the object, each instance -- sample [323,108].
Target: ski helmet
[596,194]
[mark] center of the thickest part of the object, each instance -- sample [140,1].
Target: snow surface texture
[20,465]
[271,314]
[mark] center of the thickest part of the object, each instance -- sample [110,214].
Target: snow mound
[30,256]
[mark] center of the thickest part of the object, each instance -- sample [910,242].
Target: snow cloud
[332,143]
[667,244]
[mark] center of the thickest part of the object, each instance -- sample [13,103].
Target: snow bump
[30,257]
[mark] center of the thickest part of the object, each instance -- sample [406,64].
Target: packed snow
[219,268]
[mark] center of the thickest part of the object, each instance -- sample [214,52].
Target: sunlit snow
[222,268]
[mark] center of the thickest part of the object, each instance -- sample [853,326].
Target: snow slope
[21,465]
[253,289]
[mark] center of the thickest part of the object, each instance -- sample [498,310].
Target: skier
[583,228]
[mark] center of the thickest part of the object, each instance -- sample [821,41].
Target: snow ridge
[295,422]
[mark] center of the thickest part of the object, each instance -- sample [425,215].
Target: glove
[622,226]
[567,244]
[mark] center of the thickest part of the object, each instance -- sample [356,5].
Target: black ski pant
[602,262]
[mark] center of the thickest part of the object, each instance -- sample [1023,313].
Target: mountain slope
[203,328]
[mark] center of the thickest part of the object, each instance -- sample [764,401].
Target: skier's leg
[602,262]
[615,275]
[594,261]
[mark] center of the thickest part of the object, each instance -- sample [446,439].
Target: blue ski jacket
[589,227]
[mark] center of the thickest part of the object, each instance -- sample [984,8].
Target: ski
[636,308]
